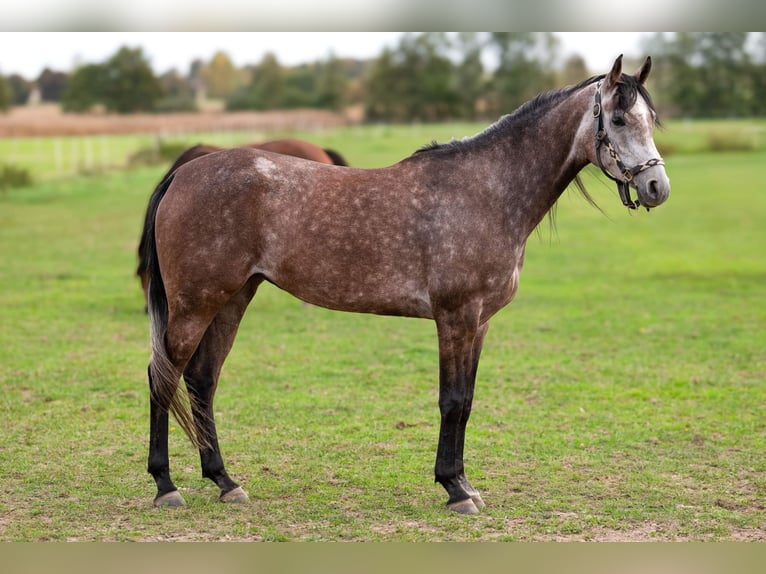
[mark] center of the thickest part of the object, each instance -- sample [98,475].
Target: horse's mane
[627,89]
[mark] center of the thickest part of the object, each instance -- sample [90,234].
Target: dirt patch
[748,535]
[49,120]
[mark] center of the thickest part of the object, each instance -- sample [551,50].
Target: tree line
[426,77]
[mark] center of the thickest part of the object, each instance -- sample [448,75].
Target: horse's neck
[545,159]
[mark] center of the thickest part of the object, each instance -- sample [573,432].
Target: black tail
[336,158]
[188,155]
[158,301]
[143,263]
[163,376]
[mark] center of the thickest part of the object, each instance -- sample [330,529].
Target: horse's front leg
[460,343]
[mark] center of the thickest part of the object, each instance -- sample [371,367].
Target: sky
[28,53]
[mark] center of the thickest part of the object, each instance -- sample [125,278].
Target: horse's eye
[618,121]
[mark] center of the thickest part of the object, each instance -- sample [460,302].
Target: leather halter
[627,173]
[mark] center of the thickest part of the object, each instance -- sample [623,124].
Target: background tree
[299,86]
[52,85]
[331,84]
[728,86]
[704,74]
[219,76]
[131,85]
[266,88]
[574,70]
[178,93]
[526,67]
[381,100]
[124,83]
[757,72]
[6,94]
[430,92]
[424,77]
[415,81]
[21,89]
[470,83]
[85,89]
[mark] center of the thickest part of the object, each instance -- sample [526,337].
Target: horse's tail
[142,271]
[336,158]
[191,153]
[163,375]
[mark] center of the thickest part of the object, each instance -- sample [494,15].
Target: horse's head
[624,146]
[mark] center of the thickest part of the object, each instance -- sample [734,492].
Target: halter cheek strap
[627,173]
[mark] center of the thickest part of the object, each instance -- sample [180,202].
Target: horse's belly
[354,285]
[403,300]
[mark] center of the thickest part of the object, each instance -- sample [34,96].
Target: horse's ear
[643,72]
[614,76]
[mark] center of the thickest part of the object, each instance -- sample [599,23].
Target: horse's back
[296,148]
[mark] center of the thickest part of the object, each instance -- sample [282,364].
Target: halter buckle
[627,173]
[596,109]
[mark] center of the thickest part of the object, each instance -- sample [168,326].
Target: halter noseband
[602,139]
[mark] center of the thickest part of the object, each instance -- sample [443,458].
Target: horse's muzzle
[653,192]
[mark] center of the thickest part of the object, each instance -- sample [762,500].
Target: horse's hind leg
[181,341]
[159,465]
[201,377]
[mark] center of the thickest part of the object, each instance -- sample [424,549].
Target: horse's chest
[501,283]
[499,291]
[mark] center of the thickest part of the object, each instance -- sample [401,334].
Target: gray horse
[440,235]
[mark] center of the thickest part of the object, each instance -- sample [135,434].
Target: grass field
[620,396]
[55,158]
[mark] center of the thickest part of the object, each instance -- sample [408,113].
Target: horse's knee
[452,403]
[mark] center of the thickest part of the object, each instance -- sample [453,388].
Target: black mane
[627,91]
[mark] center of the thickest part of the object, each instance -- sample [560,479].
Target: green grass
[620,396]
[702,136]
[55,158]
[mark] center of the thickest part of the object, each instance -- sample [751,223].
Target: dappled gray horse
[439,235]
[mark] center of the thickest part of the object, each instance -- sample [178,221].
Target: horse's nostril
[653,188]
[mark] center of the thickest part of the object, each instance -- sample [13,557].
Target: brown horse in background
[285,146]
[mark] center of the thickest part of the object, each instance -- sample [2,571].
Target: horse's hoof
[478,501]
[236,495]
[171,499]
[466,506]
